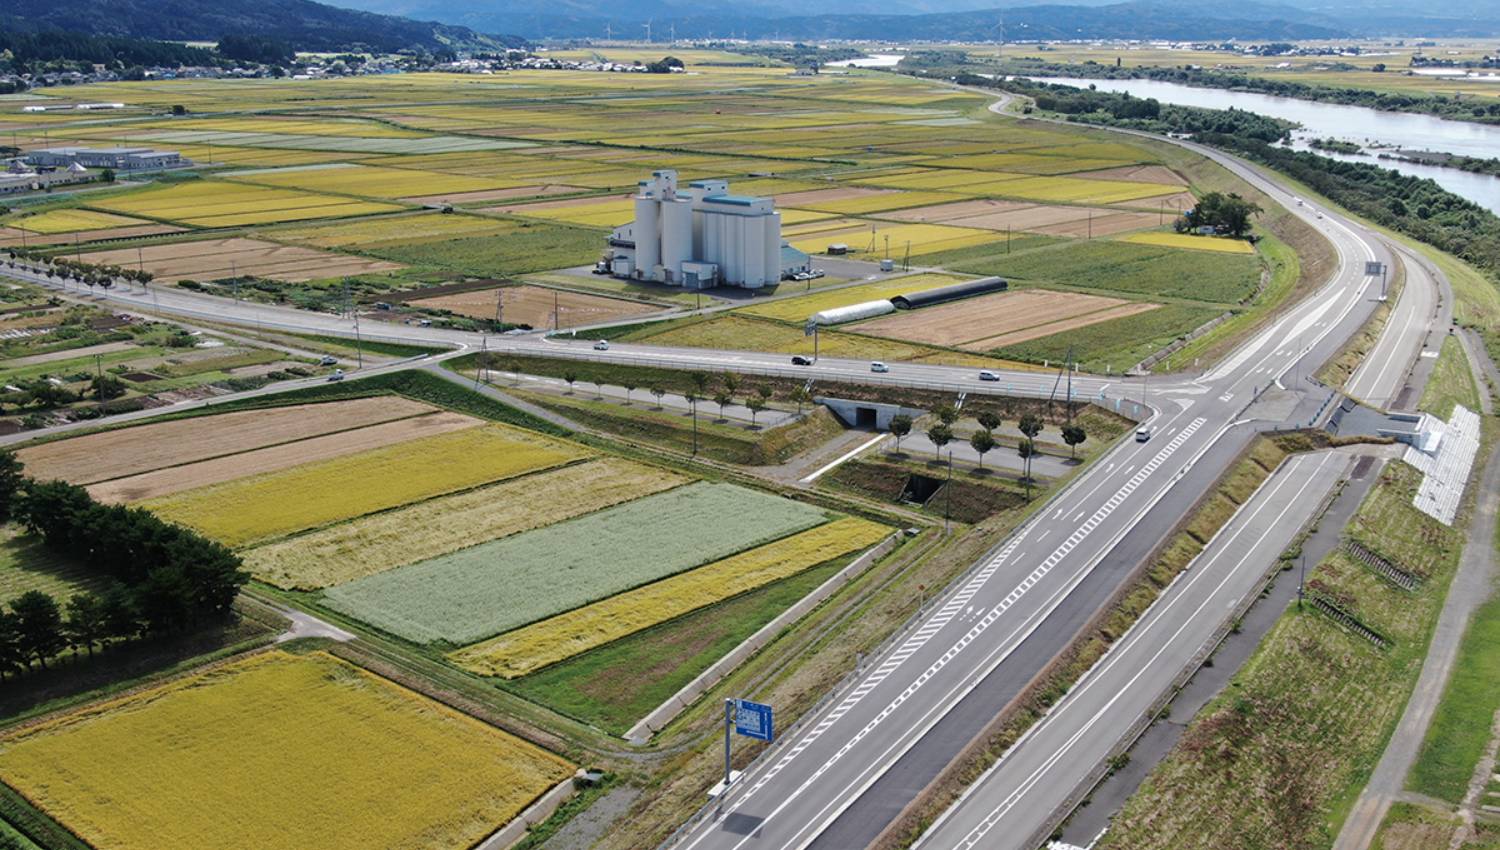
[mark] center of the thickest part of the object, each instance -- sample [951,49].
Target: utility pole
[1301,578]
[499,307]
[728,724]
[1070,385]
[484,359]
[555,313]
[695,425]
[99,371]
[948,492]
[359,348]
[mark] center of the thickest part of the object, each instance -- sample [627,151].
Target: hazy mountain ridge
[956,19]
[302,23]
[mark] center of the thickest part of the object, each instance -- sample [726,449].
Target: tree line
[153,577]
[29,49]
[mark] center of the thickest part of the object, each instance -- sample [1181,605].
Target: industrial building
[701,237]
[120,159]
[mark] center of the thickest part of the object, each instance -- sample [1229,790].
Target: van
[1143,433]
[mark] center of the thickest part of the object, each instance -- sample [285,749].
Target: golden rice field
[65,221]
[799,308]
[391,231]
[591,212]
[882,202]
[871,238]
[261,507]
[214,203]
[1195,243]
[565,635]
[276,750]
[391,539]
[304,127]
[370,181]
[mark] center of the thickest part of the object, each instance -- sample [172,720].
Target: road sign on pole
[753,719]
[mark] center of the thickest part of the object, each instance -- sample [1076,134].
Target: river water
[1357,124]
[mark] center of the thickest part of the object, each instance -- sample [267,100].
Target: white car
[1142,434]
[338,375]
[987,375]
[877,366]
[601,345]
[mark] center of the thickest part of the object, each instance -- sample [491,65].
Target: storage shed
[967,289]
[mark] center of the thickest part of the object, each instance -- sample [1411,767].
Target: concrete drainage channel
[1087,822]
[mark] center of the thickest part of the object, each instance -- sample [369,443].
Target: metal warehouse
[701,237]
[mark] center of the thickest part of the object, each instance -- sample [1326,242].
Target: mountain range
[956,19]
[303,24]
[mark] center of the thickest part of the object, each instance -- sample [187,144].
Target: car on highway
[987,375]
[601,345]
[1143,433]
[877,366]
[338,375]
[799,360]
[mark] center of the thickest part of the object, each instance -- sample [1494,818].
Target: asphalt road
[1000,810]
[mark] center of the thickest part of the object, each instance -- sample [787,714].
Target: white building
[118,158]
[701,237]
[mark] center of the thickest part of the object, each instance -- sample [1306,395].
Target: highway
[1176,632]
[859,761]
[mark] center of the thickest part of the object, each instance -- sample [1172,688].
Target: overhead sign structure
[753,719]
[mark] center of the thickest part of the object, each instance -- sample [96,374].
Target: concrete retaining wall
[663,714]
[534,814]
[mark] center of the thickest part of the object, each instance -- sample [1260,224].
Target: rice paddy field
[276,750]
[449,532]
[537,167]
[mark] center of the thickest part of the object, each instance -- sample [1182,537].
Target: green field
[1114,345]
[26,565]
[463,597]
[1141,271]
[1451,382]
[518,249]
[1461,727]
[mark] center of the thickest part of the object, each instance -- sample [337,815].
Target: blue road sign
[753,719]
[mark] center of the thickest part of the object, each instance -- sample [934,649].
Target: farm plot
[212,259]
[869,236]
[383,541]
[1136,174]
[512,248]
[176,479]
[1052,220]
[276,750]
[247,510]
[537,306]
[799,308]
[67,221]
[871,201]
[566,635]
[25,565]
[608,211]
[11,237]
[1004,318]
[488,589]
[391,231]
[368,180]
[142,448]
[1191,242]
[213,203]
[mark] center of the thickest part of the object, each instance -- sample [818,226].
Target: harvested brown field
[1136,173]
[533,305]
[175,479]
[824,196]
[525,209]
[1050,219]
[131,451]
[67,354]
[987,322]
[211,259]
[497,194]
[11,237]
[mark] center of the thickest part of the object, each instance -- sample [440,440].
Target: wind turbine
[647,25]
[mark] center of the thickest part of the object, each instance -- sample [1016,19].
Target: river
[1350,123]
